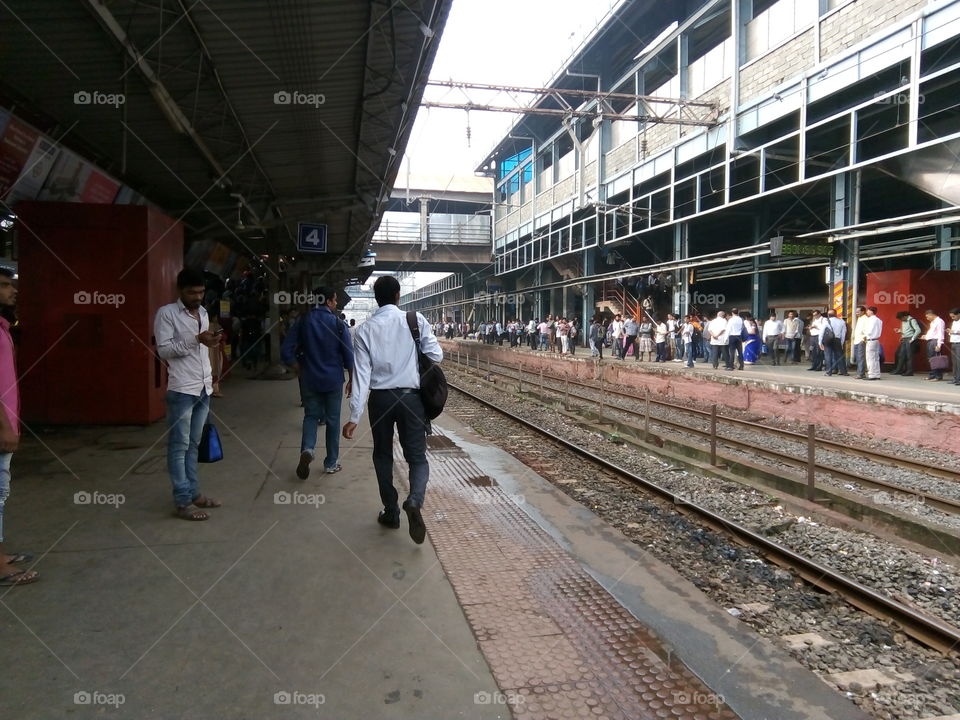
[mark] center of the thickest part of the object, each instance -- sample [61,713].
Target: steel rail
[929,630]
[875,455]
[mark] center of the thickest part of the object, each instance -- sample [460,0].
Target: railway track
[919,625]
[942,503]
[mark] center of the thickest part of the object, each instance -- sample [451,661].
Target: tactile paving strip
[558,644]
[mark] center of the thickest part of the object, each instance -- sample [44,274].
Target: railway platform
[292,602]
[905,409]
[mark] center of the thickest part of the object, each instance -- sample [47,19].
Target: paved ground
[213,619]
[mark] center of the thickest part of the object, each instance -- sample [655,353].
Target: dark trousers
[735,347]
[931,351]
[773,348]
[718,351]
[630,343]
[816,354]
[598,344]
[662,351]
[904,358]
[955,359]
[860,355]
[834,361]
[405,410]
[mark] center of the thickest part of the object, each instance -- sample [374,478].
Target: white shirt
[870,327]
[793,328]
[617,328]
[734,326]
[188,360]
[772,328]
[815,326]
[955,331]
[935,332]
[859,331]
[385,356]
[718,331]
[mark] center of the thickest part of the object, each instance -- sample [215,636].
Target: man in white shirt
[182,332]
[816,352]
[734,339]
[955,343]
[934,338]
[717,330]
[860,342]
[386,368]
[793,334]
[532,334]
[871,327]
[617,327]
[772,335]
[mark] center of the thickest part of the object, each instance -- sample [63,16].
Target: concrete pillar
[759,281]
[681,290]
[424,224]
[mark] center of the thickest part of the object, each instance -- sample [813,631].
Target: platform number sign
[311,238]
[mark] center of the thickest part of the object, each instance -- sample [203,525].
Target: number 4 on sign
[312,238]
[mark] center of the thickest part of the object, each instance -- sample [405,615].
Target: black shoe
[303,469]
[418,531]
[389,519]
[908,374]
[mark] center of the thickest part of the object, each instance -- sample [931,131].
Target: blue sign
[311,238]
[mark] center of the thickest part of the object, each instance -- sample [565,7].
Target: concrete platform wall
[912,422]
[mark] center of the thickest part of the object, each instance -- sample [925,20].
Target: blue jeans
[678,341]
[405,410]
[321,407]
[544,341]
[688,347]
[5,459]
[860,355]
[186,415]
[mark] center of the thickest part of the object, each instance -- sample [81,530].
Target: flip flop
[206,502]
[18,558]
[21,577]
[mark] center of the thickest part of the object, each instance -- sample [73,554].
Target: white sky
[502,42]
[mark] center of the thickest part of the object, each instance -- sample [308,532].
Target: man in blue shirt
[319,349]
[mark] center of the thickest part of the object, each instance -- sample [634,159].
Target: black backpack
[433,383]
[826,333]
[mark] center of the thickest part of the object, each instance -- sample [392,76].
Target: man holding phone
[183,336]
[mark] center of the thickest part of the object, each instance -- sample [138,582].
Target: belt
[398,391]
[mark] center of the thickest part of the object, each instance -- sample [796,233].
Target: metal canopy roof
[240,117]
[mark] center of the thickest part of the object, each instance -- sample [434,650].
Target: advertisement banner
[16,144]
[35,172]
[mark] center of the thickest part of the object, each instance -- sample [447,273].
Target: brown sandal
[23,577]
[191,512]
[202,501]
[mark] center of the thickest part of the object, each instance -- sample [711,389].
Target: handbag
[939,362]
[433,383]
[210,449]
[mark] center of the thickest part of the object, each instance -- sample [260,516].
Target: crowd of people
[737,338]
